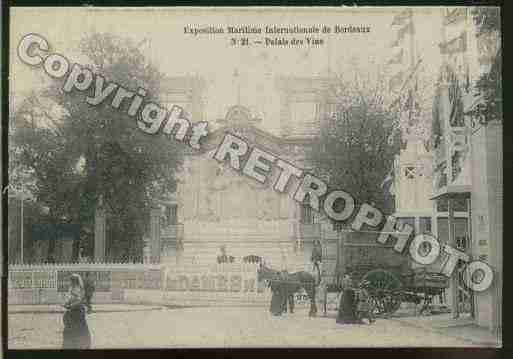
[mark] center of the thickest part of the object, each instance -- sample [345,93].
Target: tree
[90,152]
[489,85]
[356,147]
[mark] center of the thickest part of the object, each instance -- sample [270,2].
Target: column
[100,222]
[454,278]
[155,235]
[470,251]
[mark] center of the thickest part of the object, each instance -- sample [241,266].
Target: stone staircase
[273,242]
[276,255]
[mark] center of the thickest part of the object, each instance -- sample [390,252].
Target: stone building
[468,162]
[216,207]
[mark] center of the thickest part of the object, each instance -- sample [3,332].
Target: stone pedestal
[100,225]
[155,246]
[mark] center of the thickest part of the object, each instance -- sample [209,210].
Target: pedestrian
[76,333]
[364,307]
[316,257]
[346,308]
[286,292]
[322,293]
[89,289]
[276,307]
[222,257]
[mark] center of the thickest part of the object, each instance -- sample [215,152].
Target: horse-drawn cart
[393,278]
[388,291]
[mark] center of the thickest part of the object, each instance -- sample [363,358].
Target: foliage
[355,150]
[92,152]
[32,214]
[486,19]
[489,85]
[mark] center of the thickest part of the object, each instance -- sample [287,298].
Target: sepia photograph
[260,177]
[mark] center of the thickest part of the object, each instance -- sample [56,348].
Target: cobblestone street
[219,327]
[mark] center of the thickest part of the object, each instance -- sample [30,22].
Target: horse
[293,283]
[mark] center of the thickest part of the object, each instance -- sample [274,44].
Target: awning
[452,191]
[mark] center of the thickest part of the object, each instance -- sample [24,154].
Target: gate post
[99,234]
[155,235]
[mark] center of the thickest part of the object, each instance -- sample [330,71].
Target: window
[338,226]
[458,205]
[304,117]
[442,205]
[461,243]
[405,220]
[171,214]
[306,215]
[425,225]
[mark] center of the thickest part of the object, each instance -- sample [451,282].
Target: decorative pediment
[238,121]
[238,114]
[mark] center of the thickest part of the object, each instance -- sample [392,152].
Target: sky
[212,57]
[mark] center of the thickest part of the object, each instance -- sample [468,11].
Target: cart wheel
[383,285]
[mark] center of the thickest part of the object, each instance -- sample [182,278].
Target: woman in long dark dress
[277,297]
[76,333]
[347,306]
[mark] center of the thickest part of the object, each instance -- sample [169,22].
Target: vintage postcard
[254,177]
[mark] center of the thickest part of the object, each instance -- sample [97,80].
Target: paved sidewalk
[214,327]
[461,328]
[97,308]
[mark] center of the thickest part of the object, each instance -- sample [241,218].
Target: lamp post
[23,178]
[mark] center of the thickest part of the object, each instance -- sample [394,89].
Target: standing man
[88,291]
[322,293]
[222,258]
[316,257]
[276,307]
[287,296]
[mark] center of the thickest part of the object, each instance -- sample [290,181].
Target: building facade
[468,162]
[215,207]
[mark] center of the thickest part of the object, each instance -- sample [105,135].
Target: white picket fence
[218,284]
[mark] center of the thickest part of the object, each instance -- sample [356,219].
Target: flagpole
[22,223]
[412,42]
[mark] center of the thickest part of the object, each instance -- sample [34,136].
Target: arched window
[306,215]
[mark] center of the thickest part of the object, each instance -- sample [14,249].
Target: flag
[409,101]
[402,18]
[412,105]
[458,44]
[456,116]
[396,81]
[408,29]
[397,59]
[455,16]
[388,182]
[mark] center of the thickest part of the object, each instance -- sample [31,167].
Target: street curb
[55,311]
[442,332]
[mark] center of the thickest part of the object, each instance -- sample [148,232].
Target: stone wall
[215,285]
